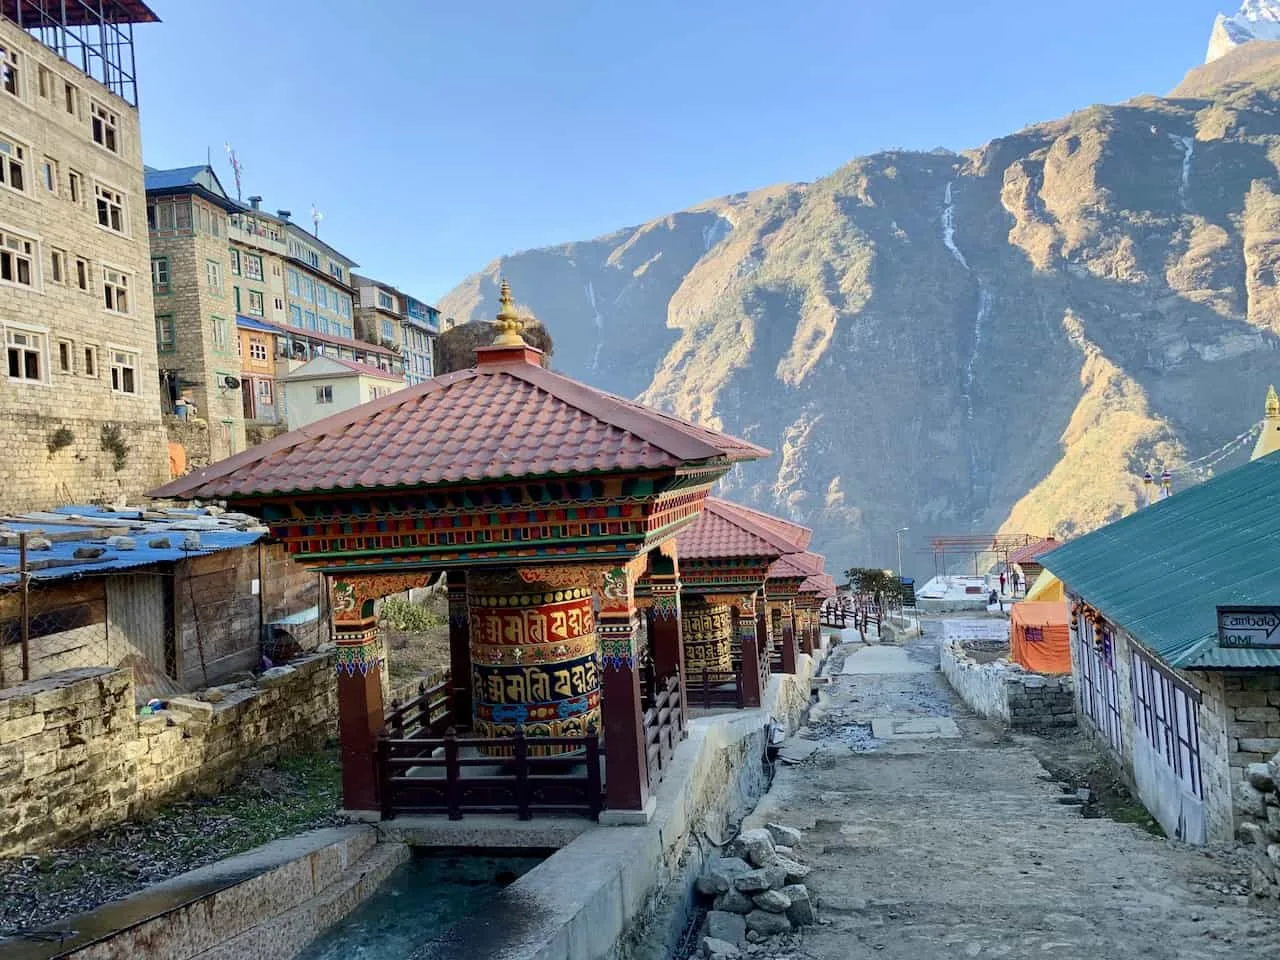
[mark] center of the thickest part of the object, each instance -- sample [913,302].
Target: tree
[871,580]
[456,348]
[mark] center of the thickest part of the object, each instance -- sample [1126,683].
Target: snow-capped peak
[1256,20]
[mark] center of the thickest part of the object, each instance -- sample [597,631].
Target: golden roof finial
[509,322]
[1273,404]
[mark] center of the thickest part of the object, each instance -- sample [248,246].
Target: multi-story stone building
[79,412]
[393,319]
[317,283]
[188,216]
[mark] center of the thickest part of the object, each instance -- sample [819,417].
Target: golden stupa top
[1269,435]
[509,322]
[1273,403]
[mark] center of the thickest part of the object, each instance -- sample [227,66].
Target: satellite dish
[231,383]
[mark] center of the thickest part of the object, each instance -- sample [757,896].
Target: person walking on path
[1002,581]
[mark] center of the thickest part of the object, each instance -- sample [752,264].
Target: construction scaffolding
[996,546]
[94,36]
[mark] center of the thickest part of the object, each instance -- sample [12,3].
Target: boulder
[715,949]
[720,874]
[734,901]
[795,871]
[766,878]
[1251,833]
[726,927]
[754,846]
[1250,801]
[1259,777]
[781,850]
[767,924]
[800,911]
[775,901]
[782,834]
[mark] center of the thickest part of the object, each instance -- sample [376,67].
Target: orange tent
[1039,638]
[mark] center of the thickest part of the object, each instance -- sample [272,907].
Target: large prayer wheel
[534,661]
[706,629]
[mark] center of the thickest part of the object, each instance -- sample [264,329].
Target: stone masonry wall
[1007,693]
[1239,727]
[1258,798]
[75,757]
[51,427]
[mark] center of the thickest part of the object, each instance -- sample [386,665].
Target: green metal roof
[1160,573]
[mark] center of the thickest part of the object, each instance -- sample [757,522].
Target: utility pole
[899,536]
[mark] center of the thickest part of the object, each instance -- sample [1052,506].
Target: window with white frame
[17,259]
[124,371]
[13,164]
[106,127]
[10,72]
[252,266]
[264,391]
[257,348]
[235,263]
[58,266]
[279,304]
[385,301]
[26,355]
[324,394]
[308,290]
[70,98]
[49,175]
[388,331]
[91,361]
[160,274]
[44,81]
[295,283]
[75,186]
[213,272]
[66,356]
[110,207]
[115,290]
[322,296]
[335,270]
[82,274]
[256,306]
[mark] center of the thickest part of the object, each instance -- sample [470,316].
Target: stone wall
[1258,804]
[1239,727]
[51,425]
[193,436]
[75,756]
[1007,693]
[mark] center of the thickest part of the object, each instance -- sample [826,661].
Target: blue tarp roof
[87,526]
[251,324]
[1161,573]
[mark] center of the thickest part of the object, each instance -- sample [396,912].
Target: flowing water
[419,902]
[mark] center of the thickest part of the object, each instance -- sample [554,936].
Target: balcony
[256,236]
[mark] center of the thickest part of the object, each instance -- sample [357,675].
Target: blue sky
[435,135]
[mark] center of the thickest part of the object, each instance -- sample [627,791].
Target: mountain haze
[1003,338]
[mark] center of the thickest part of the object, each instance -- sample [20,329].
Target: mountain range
[1003,338]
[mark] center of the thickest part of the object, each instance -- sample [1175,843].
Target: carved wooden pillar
[360,711]
[627,797]
[459,648]
[744,625]
[788,638]
[665,640]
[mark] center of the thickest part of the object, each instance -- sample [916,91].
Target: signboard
[1249,627]
[908,591]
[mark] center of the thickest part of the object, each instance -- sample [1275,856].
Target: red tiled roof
[725,529]
[501,419]
[1033,550]
[797,565]
[798,536]
[823,584]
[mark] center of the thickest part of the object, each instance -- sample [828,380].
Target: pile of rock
[758,890]
[1258,799]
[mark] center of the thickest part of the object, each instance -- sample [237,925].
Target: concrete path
[935,836]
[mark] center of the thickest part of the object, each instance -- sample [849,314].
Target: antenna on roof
[316,217]
[236,168]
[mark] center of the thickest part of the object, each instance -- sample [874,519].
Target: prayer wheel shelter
[725,556]
[786,574]
[545,502]
[812,594]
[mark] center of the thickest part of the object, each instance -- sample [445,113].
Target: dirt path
[934,836]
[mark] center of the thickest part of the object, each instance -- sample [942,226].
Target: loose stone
[754,846]
[775,901]
[782,834]
[717,949]
[720,875]
[800,910]
[766,923]
[1260,778]
[734,901]
[766,878]
[726,927]
[796,872]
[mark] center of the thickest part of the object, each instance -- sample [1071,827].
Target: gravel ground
[295,795]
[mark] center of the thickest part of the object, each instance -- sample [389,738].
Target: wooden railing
[832,615]
[716,688]
[663,726]
[454,775]
[428,714]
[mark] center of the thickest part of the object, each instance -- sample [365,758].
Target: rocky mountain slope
[1003,338]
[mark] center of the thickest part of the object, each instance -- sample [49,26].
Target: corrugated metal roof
[251,324]
[190,532]
[1160,573]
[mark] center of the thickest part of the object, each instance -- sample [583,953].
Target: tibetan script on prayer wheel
[706,629]
[534,663]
